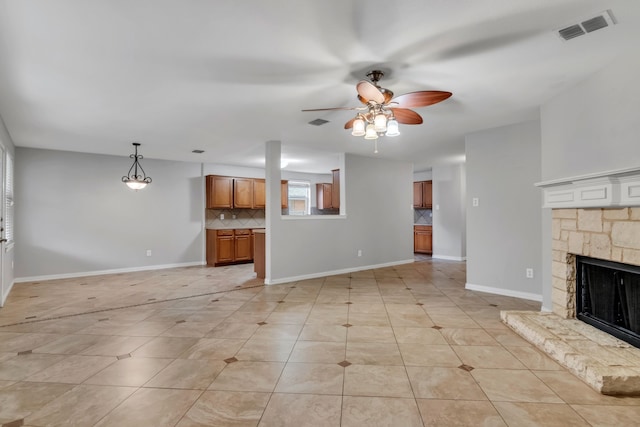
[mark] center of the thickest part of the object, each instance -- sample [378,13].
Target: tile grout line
[65,316]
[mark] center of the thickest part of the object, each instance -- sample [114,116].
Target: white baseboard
[505,292]
[101,272]
[449,258]
[334,272]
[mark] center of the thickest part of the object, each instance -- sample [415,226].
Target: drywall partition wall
[76,217]
[378,222]
[582,136]
[423,176]
[594,127]
[449,222]
[503,230]
[9,249]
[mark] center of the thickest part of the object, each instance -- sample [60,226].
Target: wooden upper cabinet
[427,194]
[259,194]
[323,196]
[226,192]
[219,192]
[417,194]
[335,189]
[422,194]
[284,194]
[243,193]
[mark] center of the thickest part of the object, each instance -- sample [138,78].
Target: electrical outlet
[529,273]
[359,252]
[475,202]
[221,216]
[148,252]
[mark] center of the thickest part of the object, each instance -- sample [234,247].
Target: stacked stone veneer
[604,233]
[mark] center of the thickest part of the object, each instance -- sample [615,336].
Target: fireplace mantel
[620,188]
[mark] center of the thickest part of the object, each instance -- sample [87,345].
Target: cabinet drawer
[224,232]
[243,232]
[422,228]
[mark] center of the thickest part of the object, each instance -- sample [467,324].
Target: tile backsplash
[235,218]
[422,216]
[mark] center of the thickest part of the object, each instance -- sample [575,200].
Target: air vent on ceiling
[602,20]
[198,151]
[318,122]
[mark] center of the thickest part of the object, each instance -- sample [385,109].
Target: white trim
[505,292]
[571,180]
[101,272]
[334,272]
[449,258]
[606,189]
[3,298]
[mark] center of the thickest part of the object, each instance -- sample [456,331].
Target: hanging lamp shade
[380,122]
[392,128]
[371,132]
[136,179]
[358,127]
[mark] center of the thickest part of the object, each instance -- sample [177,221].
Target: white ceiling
[225,76]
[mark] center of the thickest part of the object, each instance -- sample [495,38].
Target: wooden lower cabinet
[242,245]
[229,246]
[422,239]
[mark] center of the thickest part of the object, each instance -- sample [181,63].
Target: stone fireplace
[596,216]
[611,234]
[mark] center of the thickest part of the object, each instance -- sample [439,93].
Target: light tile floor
[403,346]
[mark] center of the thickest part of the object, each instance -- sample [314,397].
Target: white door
[3,240]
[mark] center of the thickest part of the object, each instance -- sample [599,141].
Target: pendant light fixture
[136,181]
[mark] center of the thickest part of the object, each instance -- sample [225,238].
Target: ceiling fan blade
[421,98]
[330,109]
[406,116]
[349,124]
[369,91]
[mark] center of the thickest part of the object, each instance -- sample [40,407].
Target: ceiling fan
[381,112]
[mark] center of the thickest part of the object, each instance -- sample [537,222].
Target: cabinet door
[335,189]
[243,193]
[259,194]
[211,247]
[219,192]
[284,194]
[427,194]
[224,249]
[422,240]
[417,194]
[243,247]
[323,196]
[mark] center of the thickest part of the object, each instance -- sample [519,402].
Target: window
[8,194]
[299,198]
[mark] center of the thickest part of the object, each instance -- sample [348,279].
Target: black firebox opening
[608,297]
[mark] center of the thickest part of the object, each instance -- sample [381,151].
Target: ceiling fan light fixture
[392,128]
[380,122]
[358,127]
[371,132]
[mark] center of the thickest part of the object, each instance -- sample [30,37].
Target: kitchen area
[423,217]
[235,214]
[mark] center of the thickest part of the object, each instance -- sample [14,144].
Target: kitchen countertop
[428,225]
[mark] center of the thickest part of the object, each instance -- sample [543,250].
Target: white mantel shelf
[620,188]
